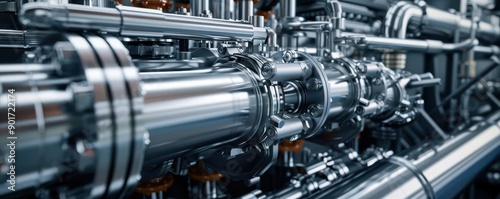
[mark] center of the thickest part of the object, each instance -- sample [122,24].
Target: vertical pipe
[244,9]
[199,7]
[288,8]
[222,9]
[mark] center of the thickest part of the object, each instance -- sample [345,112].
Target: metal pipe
[199,7]
[222,9]
[488,50]
[138,22]
[400,16]
[287,8]
[428,46]
[95,3]
[438,171]
[244,9]
[198,110]
[334,11]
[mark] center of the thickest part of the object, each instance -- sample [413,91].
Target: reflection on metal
[315,99]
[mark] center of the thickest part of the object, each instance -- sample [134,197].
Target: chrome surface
[447,168]
[249,99]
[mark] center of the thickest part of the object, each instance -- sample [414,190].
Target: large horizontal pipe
[432,171]
[137,22]
[402,14]
[427,46]
[197,110]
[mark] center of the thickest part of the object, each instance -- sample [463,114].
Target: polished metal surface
[447,168]
[249,99]
[172,104]
[129,21]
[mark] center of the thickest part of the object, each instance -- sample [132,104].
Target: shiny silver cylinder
[223,9]
[195,110]
[343,91]
[198,7]
[137,22]
[285,71]
[244,9]
[439,171]
[288,8]
[292,126]
[185,27]
[402,14]
[99,3]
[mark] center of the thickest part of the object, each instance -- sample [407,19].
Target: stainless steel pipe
[199,7]
[428,46]
[244,9]
[438,171]
[197,111]
[288,8]
[223,9]
[138,22]
[402,14]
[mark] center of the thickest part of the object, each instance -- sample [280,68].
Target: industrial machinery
[249,99]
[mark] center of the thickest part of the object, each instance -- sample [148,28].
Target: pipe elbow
[333,9]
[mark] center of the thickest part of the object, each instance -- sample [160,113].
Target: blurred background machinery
[249,99]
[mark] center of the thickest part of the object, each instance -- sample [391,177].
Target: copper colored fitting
[295,146]
[163,5]
[266,13]
[155,185]
[198,173]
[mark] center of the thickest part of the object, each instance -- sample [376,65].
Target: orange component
[266,13]
[295,146]
[162,5]
[198,173]
[178,5]
[155,185]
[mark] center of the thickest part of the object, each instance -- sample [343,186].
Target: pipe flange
[315,103]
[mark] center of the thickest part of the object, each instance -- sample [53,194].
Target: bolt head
[380,96]
[271,133]
[268,70]
[221,49]
[360,110]
[289,56]
[361,68]
[314,84]
[306,124]
[277,121]
[315,110]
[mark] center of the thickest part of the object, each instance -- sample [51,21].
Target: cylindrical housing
[372,107]
[293,126]
[193,111]
[343,89]
[285,71]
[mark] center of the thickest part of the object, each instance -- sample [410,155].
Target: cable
[473,81]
